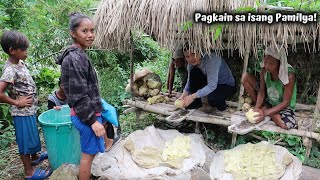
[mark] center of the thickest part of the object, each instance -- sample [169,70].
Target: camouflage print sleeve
[8,75]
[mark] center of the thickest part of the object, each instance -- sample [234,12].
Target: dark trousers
[110,130]
[216,98]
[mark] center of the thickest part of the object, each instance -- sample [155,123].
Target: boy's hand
[24,101]
[98,129]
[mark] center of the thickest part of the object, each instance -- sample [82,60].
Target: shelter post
[131,65]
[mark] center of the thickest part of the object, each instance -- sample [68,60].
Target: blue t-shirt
[217,72]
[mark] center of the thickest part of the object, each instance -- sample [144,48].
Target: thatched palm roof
[164,19]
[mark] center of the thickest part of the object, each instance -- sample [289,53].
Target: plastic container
[61,138]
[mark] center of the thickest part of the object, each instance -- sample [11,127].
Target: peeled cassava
[135,88]
[153,92]
[251,116]
[153,84]
[157,99]
[255,161]
[248,100]
[178,103]
[153,81]
[246,107]
[241,100]
[179,147]
[145,84]
[143,90]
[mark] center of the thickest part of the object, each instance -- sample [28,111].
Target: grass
[10,164]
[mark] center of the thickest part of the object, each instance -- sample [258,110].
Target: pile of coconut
[147,84]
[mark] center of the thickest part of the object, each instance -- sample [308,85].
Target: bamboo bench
[303,116]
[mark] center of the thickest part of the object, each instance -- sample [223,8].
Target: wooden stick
[233,140]
[316,114]
[129,110]
[151,108]
[131,65]
[244,70]
[273,128]
[263,139]
[304,107]
[195,116]
[314,127]
[197,129]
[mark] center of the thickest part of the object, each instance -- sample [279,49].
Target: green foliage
[303,5]
[154,57]
[245,9]
[48,28]
[6,127]
[7,136]
[294,146]
[129,123]
[46,78]
[217,31]
[112,77]
[3,17]
[314,158]
[13,13]
[216,136]
[254,63]
[186,26]
[146,48]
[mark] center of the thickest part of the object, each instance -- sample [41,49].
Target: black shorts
[287,116]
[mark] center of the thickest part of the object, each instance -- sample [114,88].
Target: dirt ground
[309,173]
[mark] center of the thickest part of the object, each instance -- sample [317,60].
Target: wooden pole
[315,123]
[244,70]
[131,65]
[273,128]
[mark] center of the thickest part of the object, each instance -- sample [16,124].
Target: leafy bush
[112,77]
[155,58]
[6,126]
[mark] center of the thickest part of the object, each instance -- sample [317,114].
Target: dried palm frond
[171,23]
